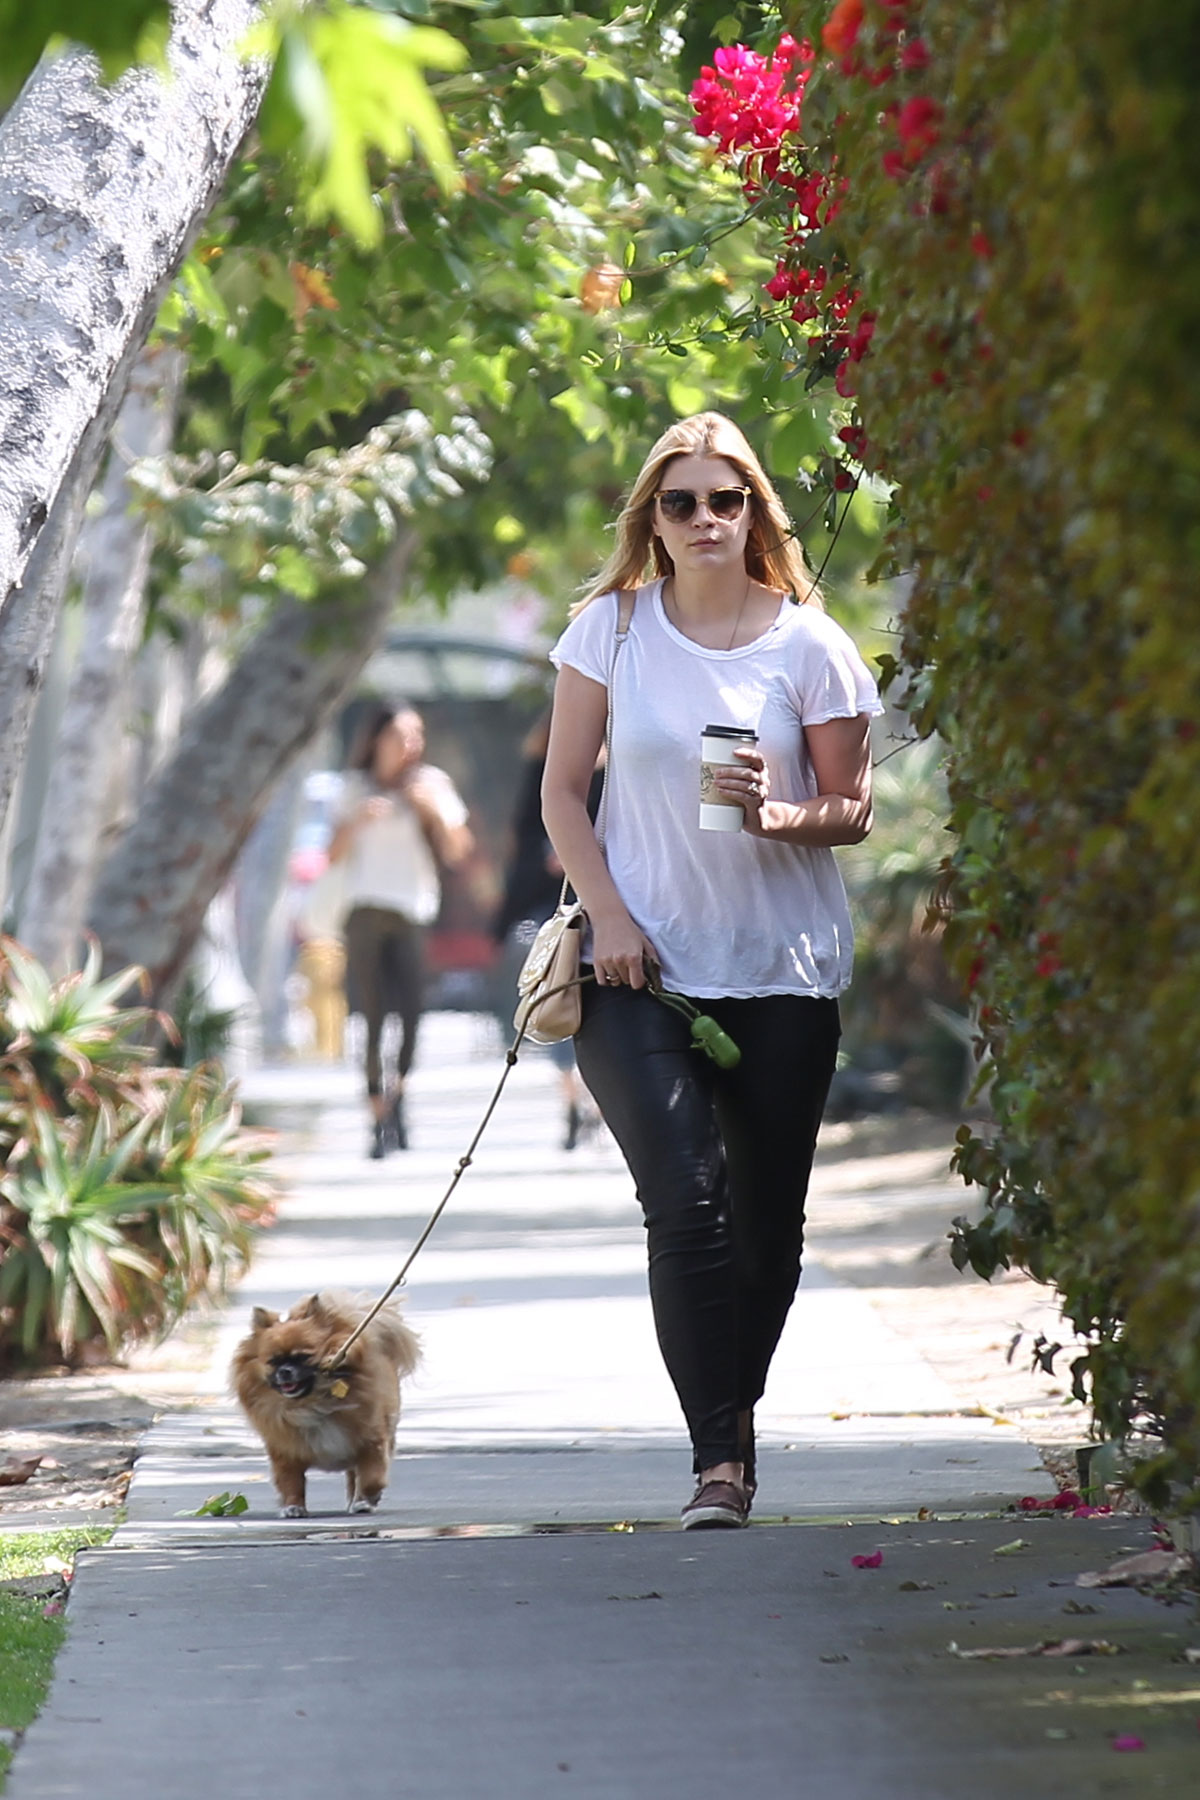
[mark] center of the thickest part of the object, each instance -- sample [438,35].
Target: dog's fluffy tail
[387,1331]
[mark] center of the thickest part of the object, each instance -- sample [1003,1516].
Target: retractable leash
[707,1036]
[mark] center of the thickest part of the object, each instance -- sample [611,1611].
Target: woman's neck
[712,594]
[719,613]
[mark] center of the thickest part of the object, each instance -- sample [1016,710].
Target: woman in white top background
[752,924]
[400,818]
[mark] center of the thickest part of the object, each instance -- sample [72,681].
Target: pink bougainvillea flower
[789,52]
[867,1562]
[1127,1741]
[751,102]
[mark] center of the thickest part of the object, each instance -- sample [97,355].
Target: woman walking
[752,923]
[400,819]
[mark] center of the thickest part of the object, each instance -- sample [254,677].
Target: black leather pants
[721,1159]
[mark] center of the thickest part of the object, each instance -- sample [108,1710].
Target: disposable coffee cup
[718,811]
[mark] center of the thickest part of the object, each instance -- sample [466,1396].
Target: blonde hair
[773,552]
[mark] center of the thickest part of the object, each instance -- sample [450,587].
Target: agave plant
[71,1270]
[217,1195]
[128,1190]
[66,1044]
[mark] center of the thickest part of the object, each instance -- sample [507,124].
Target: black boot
[397,1125]
[377,1149]
[573,1124]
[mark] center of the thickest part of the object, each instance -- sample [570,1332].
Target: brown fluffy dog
[310,1419]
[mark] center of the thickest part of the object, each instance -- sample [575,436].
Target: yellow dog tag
[339,1389]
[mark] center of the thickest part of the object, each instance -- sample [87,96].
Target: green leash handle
[707,1035]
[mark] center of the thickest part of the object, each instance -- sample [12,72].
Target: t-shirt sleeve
[587,643]
[445,796]
[834,681]
[353,789]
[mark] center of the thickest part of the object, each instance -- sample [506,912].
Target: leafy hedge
[1016,214]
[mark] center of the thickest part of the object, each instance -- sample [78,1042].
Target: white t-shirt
[389,862]
[728,913]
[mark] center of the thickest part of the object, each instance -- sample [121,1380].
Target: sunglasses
[678,504]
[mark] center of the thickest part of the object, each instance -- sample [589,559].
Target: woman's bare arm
[840,811]
[577,731]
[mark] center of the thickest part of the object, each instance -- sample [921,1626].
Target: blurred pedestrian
[717,876]
[533,882]
[399,821]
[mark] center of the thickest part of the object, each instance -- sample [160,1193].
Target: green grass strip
[29,1641]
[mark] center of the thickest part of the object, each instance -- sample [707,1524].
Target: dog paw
[363,1505]
[293,1512]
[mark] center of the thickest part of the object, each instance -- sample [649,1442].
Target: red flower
[860,343]
[843,481]
[938,378]
[915,54]
[919,126]
[841,29]
[740,98]
[894,165]
[867,1562]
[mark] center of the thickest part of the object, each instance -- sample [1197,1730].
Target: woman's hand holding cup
[750,784]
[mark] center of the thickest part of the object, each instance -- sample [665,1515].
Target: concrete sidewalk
[521,1616]
[612,1667]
